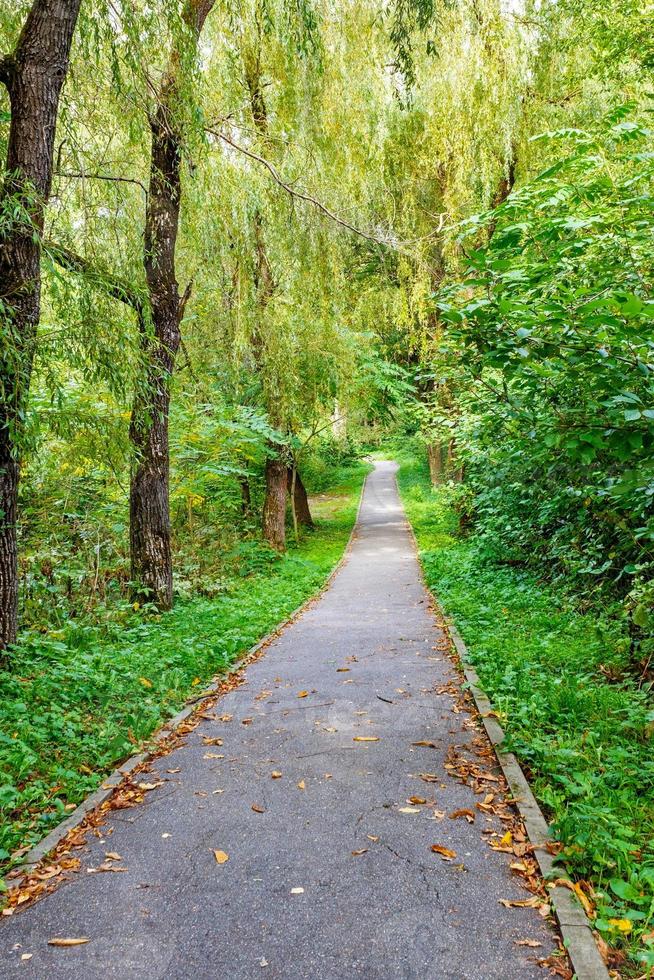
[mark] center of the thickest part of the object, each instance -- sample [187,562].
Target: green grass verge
[75,703]
[577,721]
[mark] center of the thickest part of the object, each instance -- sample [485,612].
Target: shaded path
[365,653]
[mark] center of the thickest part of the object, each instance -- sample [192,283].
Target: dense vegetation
[241,244]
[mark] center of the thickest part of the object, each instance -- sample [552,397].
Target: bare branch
[117,180]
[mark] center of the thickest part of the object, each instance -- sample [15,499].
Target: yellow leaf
[443,851]
[301,785]
[145,682]
[276,774]
[507,839]
[622,925]
[221,857]
[302,694]
[68,942]
[365,738]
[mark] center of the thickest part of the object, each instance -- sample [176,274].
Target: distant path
[365,653]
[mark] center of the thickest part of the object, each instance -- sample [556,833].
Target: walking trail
[335,879]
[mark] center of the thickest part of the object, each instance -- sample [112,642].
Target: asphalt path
[329,872]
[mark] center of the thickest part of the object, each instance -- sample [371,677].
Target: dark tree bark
[300,499]
[34,75]
[150,545]
[274,506]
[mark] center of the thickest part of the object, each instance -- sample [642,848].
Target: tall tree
[33,75]
[150,546]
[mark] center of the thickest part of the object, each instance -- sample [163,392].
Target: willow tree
[33,75]
[150,546]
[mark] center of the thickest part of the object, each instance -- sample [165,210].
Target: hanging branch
[304,196]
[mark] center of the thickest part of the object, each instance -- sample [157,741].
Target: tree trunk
[274,507]
[150,546]
[300,498]
[34,76]
[435,458]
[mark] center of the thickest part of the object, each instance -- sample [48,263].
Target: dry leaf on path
[302,694]
[258,808]
[428,745]
[221,857]
[533,943]
[444,852]
[297,891]
[275,774]
[409,809]
[365,738]
[301,784]
[416,799]
[466,814]
[428,777]
[66,941]
[362,850]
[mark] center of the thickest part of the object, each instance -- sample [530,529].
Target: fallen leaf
[65,941]
[622,925]
[466,814]
[211,741]
[365,738]
[226,717]
[579,892]
[409,809]
[428,777]
[526,903]
[26,956]
[428,745]
[362,850]
[507,839]
[256,807]
[246,721]
[301,784]
[533,943]
[518,866]
[149,786]
[221,857]
[445,852]
[302,694]
[165,835]
[275,774]
[173,770]
[372,838]
[145,682]
[416,799]
[342,670]
[212,755]
[297,891]
[112,856]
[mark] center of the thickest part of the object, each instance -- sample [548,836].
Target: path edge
[578,938]
[111,782]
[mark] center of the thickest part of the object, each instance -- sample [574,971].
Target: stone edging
[575,928]
[37,853]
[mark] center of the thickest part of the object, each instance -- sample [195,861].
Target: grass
[576,719]
[74,703]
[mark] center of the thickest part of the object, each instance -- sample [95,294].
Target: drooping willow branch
[310,199]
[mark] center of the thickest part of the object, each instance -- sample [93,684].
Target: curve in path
[336,878]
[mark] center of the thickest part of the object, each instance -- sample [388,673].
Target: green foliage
[553,327]
[77,700]
[574,716]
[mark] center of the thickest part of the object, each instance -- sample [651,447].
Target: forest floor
[310,826]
